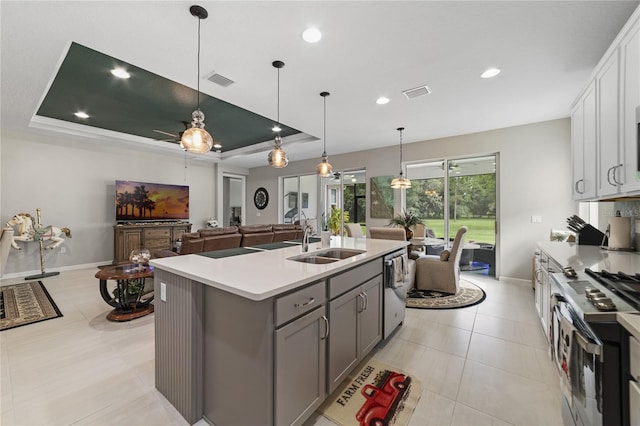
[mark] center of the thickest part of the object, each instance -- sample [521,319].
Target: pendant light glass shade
[324,169]
[277,157]
[197,139]
[400,181]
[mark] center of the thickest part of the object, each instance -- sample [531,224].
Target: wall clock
[261,198]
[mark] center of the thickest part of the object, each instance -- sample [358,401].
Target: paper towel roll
[620,232]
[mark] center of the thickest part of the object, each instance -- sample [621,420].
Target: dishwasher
[395,290]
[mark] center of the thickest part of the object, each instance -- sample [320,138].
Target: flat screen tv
[145,202]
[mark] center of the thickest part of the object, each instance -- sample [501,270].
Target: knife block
[590,236]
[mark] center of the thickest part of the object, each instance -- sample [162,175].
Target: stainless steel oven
[579,355]
[585,311]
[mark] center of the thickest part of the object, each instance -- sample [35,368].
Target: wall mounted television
[150,202]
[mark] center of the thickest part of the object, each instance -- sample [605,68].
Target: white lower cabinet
[355,328]
[300,365]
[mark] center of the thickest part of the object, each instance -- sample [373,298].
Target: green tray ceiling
[144,102]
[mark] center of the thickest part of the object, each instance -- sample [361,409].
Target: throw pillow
[444,256]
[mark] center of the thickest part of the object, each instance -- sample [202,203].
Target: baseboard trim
[22,274]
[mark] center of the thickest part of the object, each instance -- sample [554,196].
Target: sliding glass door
[448,194]
[344,199]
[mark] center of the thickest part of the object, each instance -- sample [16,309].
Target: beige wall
[73,181]
[534,179]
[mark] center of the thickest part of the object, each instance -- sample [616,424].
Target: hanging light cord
[198,82]
[324,150]
[278,97]
[400,151]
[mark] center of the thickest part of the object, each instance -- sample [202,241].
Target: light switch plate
[536,219]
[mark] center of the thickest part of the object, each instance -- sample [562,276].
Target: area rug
[468,295]
[25,303]
[374,394]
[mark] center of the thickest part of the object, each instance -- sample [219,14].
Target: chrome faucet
[305,238]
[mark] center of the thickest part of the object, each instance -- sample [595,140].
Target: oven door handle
[589,347]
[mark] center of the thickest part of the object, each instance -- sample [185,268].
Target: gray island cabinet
[258,353]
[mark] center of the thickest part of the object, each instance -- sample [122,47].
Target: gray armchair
[353,230]
[441,273]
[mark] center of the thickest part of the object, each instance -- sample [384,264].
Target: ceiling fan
[174,138]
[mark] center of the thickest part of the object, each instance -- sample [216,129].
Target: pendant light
[401,181]
[197,139]
[324,169]
[277,157]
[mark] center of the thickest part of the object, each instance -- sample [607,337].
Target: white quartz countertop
[593,257]
[630,321]
[261,275]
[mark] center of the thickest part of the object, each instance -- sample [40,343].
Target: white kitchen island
[260,338]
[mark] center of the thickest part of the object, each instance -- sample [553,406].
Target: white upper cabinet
[608,101]
[583,145]
[604,125]
[630,76]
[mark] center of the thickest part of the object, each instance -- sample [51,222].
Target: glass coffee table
[128,296]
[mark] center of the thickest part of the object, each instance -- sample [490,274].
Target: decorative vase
[409,233]
[140,257]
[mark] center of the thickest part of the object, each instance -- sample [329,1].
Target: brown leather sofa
[286,232]
[253,235]
[210,239]
[230,237]
[220,238]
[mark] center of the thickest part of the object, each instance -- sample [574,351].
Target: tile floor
[482,365]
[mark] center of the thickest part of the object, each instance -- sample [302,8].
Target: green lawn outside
[481,230]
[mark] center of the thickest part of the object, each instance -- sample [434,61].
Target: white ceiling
[546,50]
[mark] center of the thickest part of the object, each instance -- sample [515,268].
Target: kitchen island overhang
[264,274]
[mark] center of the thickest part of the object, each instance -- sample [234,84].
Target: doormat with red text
[374,394]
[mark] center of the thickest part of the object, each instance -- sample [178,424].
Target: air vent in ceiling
[220,79]
[417,91]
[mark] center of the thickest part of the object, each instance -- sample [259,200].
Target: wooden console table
[151,236]
[128,297]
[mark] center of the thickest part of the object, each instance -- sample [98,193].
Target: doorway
[233,195]
[450,193]
[344,196]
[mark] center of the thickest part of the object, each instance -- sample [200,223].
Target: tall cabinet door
[300,367]
[369,324]
[583,142]
[630,54]
[607,80]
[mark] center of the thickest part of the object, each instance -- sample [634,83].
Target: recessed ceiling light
[382,100]
[81,114]
[276,128]
[120,73]
[491,72]
[217,145]
[312,35]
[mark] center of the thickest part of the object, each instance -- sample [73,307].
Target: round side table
[128,297]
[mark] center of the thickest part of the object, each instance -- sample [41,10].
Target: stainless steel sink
[313,259]
[338,253]
[327,255]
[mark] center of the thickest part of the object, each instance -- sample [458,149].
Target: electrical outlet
[63,250]
[163,292]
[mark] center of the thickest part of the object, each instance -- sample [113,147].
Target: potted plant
[334,220]
[406,219]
